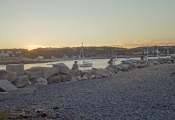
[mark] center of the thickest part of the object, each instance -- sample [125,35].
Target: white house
[3,54]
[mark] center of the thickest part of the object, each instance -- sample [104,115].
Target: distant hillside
[74,52]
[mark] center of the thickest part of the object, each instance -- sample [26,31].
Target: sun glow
[31,47]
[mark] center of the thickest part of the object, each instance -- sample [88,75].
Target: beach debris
[27,112]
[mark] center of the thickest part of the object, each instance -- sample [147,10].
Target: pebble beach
[139,94]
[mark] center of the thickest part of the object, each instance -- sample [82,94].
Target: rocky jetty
[15,80]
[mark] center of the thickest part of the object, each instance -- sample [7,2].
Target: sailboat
[168,55]
[157,56]
[85,63]
[152,58]
[126,57]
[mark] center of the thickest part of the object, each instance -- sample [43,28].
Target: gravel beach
[139,94]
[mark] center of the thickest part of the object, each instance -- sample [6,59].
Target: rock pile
[15,78]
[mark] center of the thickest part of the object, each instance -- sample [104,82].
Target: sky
[31,24]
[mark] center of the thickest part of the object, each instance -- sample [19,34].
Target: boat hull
[85,65]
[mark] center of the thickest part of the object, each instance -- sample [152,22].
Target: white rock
[92,77]
[29,83]
[78,77]
[39,80]
[84,77]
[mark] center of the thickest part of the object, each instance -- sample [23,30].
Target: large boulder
[143,65]
[6,86]
[173,56]
[125,67]
[156,62]
[62,68]
[87,73]
[103,72]
[161,61]
[143,61]
[65,78]
[9,95]
[10,76]
[135,65]
[74,72]
[112,69]
[54,79]
[17,68]
[45,72]
[118,67]
[130,61]
[39,80]
[21,81]
[169,62]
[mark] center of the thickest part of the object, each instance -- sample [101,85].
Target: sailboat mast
[157,50]
[147,50]
[167,50]
[82,51]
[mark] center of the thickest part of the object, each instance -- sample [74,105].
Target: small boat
[86,64]
[157,55]
[126,57]
[125,60]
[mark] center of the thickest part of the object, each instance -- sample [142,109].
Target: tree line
[88,51]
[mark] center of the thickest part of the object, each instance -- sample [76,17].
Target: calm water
[97,63]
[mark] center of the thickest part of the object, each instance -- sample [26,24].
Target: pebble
[146,93]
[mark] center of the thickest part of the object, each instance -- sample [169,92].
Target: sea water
[97,63]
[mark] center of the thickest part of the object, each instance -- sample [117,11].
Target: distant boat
[157,55]
[85,63]
[126,57]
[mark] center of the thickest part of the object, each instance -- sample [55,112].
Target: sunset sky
[67,23]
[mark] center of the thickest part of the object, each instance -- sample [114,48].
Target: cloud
[158,42]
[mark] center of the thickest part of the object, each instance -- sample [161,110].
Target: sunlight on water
[97,63]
